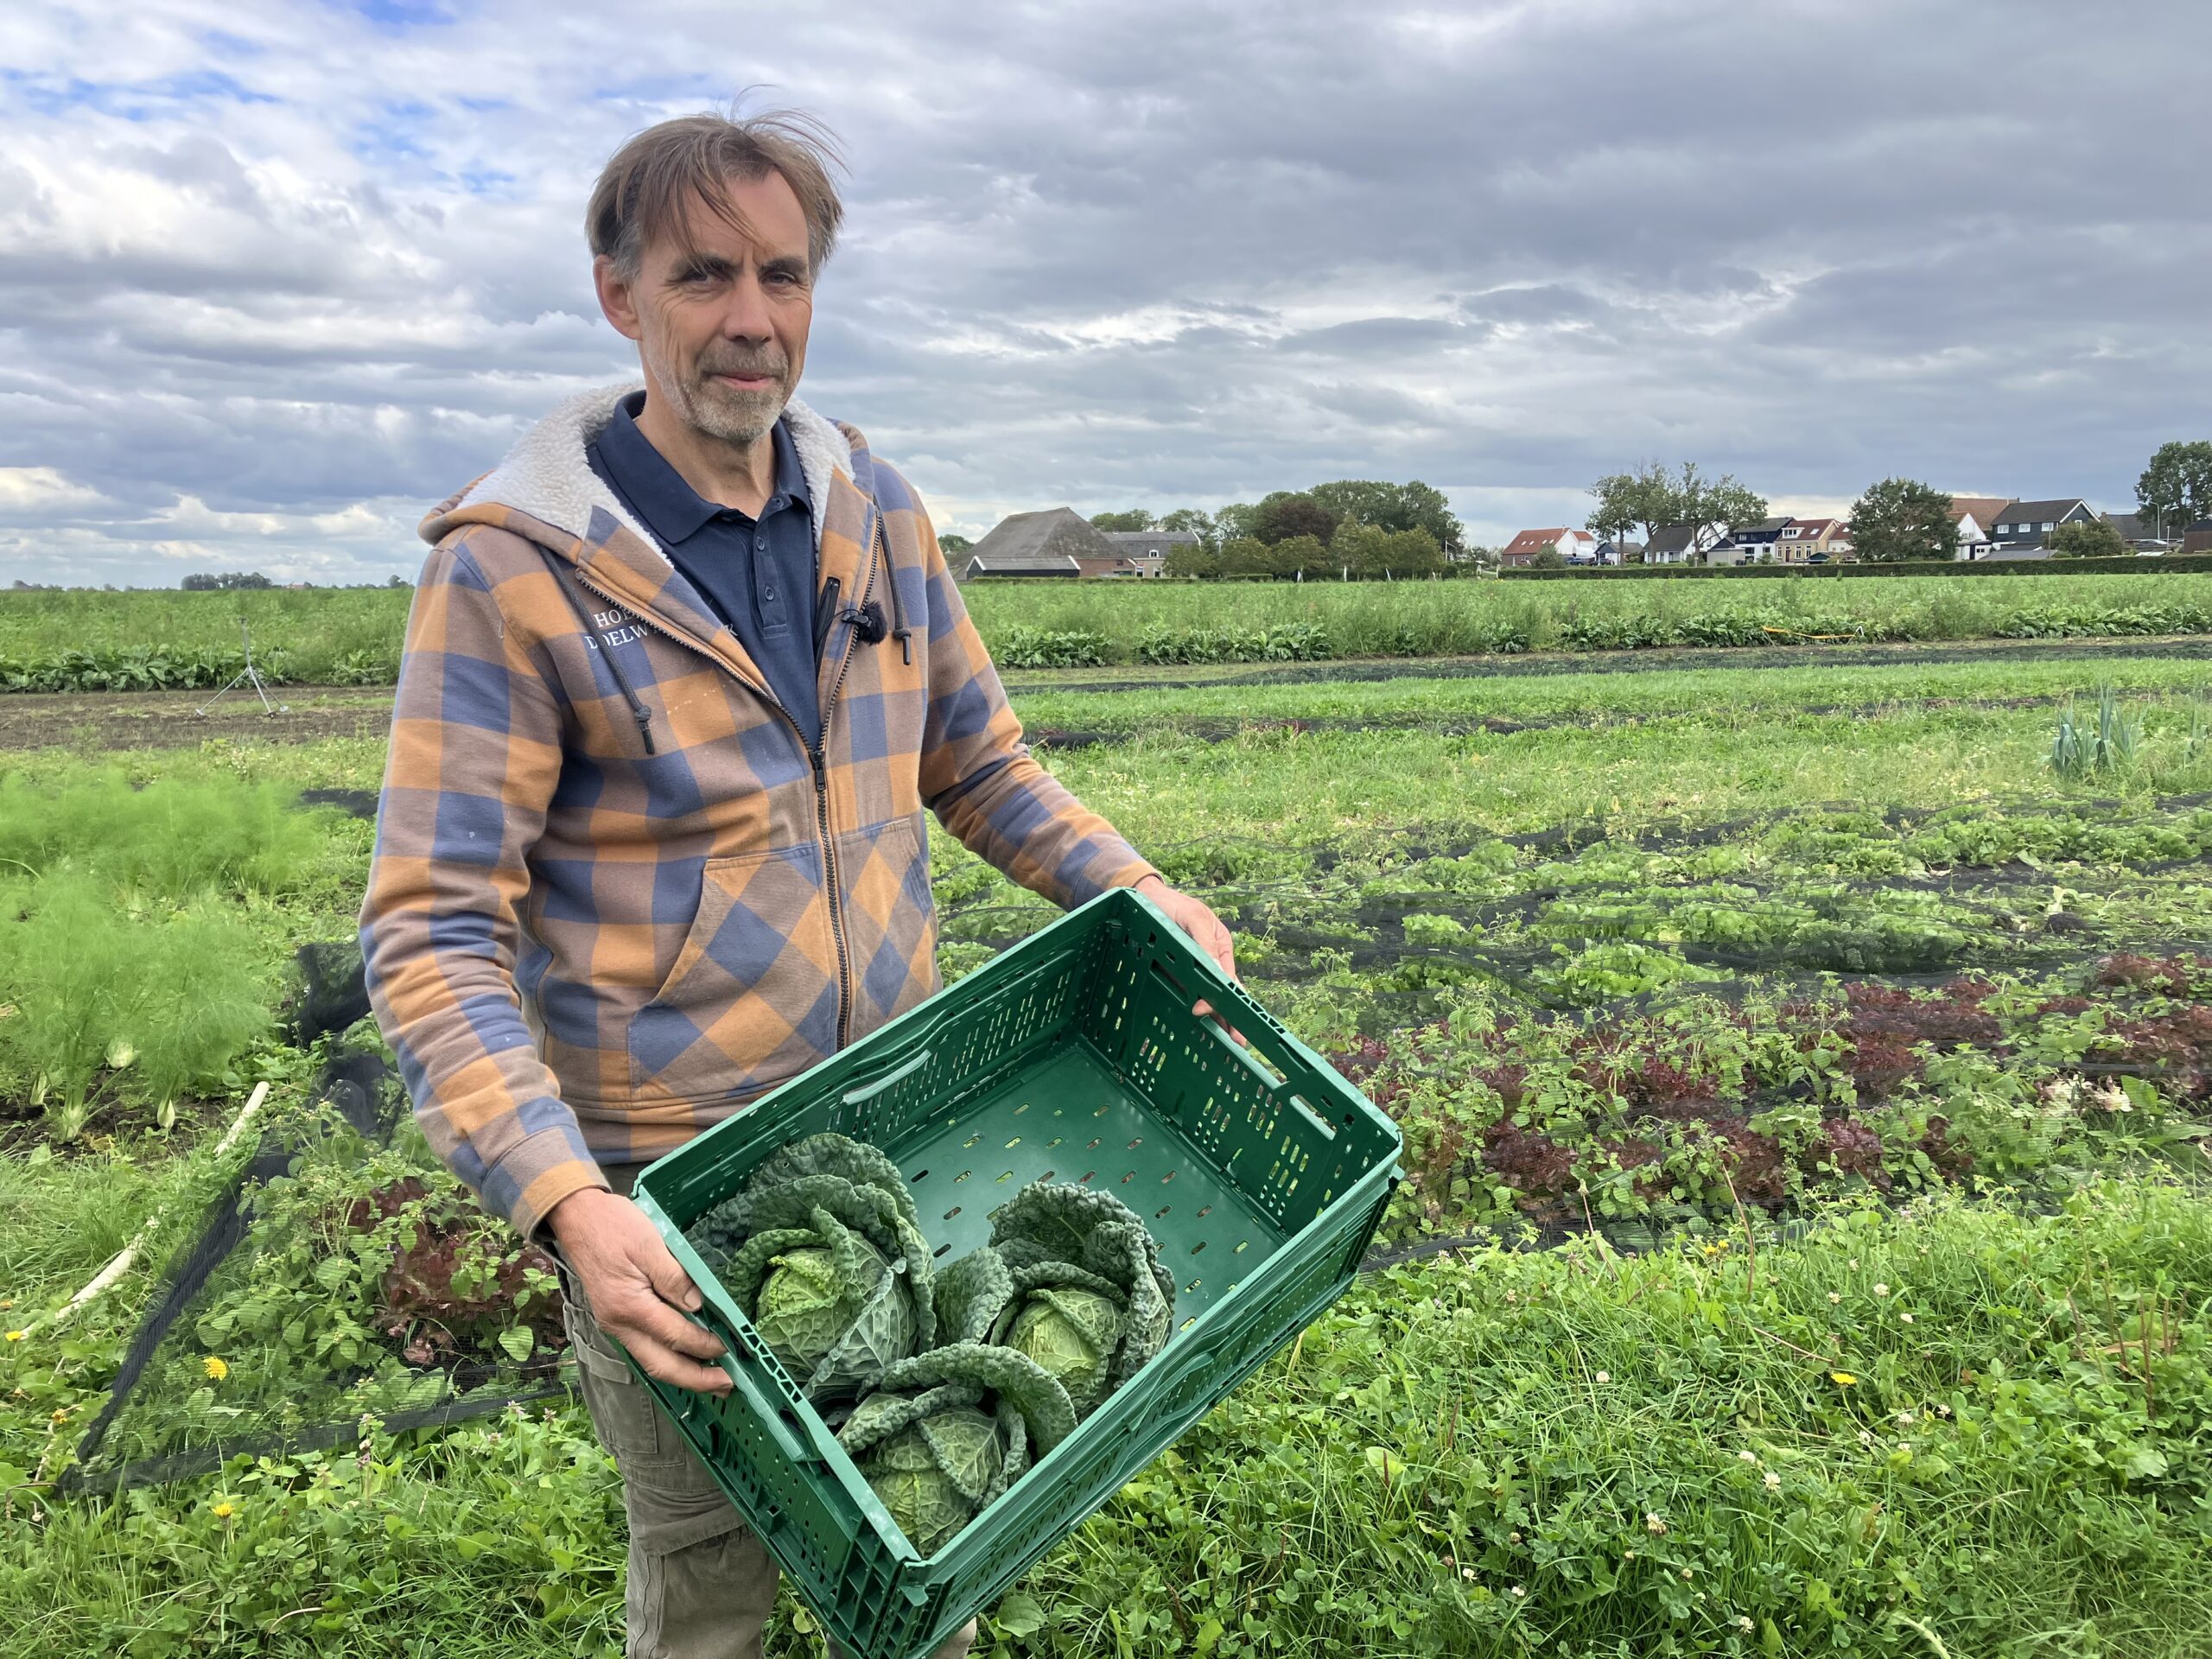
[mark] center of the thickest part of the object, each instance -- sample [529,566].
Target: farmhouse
[1577,546]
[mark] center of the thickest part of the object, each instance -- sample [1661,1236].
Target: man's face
[721,328]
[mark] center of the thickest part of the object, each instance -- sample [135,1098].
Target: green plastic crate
[1073,1057]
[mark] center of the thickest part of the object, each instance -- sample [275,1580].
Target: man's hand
[635,1286]
[1192,916]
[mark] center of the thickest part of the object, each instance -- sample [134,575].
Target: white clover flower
[1833,1298]
[1654,1525]
[1881,1290]
[1604,1377]
[1748,1456]
[1773,1481]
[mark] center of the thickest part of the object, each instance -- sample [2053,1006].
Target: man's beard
[720,410]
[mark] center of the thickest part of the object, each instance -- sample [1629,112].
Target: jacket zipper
[815,757]
[822,801]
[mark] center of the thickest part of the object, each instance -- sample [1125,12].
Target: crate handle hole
[1319,1122]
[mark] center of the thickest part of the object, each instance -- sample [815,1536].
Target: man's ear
[615,301]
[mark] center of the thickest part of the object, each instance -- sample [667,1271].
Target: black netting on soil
[341,1274]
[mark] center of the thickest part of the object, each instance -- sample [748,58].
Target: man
[680,676]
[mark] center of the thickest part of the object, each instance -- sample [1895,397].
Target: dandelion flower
[17,1336]
[226,1510]
[215,1368]
[1654,1526]
[60,1417]
[1842,1379]
[1773,1481]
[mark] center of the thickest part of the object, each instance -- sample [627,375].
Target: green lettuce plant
[823,1251]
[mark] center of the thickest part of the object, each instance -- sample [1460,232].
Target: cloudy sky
[276,274]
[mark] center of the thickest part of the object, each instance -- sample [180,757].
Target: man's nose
[745,314]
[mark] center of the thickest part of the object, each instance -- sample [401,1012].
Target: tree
[1133,519]
[1298,555]
[1412,553]
[1237,520]
[952,542]
[1194,559]
[1246,556]
[1358,549]
[224,581]
[1412,506]
[1550,558]
[1287,512]
[1716,503]
[1902,519]
[2176,488]
[2096,539]
[1621,504]
[1652,496]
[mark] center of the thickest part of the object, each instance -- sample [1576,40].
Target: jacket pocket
[751,998]
[890,921]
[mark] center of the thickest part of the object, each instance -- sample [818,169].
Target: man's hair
[648,185]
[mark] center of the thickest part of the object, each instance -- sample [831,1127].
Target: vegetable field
[1804,1055]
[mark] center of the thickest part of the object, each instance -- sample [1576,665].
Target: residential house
[1056,542]
[1144,552]
[2024,524]
[1976,517]
[2138,534]
[1678,544]
[1567,544]
[1800,538]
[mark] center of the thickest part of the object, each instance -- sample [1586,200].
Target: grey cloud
[1152,254]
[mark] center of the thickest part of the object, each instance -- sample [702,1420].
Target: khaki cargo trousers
[700,1584]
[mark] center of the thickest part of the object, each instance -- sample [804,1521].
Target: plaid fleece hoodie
[617,893]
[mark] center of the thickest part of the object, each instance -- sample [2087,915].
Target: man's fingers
[1206,1010]
[664,1364]
[654,1321]
[670,1282]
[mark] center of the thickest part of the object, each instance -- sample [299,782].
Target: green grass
[1444,1436]
[1653,1452]
[353,636]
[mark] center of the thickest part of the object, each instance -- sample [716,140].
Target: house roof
[2021,553]
[1670,538]
[1811,530]
[1052,533]
[1024,564]
[1535,540]
[1985,510]
[2131,526]
[2037,513]
[1150,541]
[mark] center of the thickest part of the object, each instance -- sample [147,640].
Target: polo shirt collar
[672,508]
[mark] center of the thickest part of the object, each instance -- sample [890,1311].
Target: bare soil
[104,722]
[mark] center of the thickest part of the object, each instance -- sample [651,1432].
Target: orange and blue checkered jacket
[617,893]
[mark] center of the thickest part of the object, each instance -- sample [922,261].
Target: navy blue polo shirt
[757,574]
